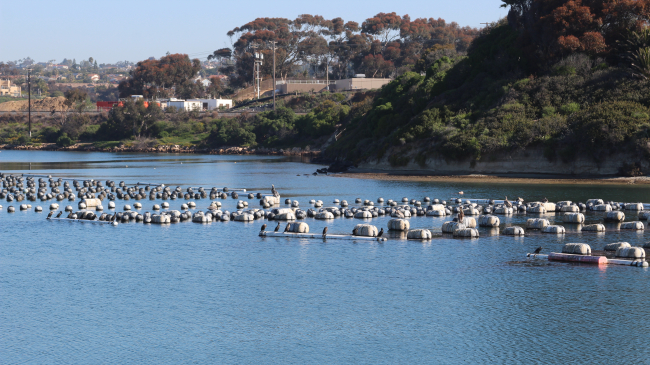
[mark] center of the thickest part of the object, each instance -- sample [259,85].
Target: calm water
[218,293]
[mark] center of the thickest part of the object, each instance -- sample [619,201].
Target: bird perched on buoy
[278,227]
[545,200]
[50,215]
[538,250]
[263,228]
[58,215]
[507,203]
[286,229]
[381,232]
[325,232]
[461,215]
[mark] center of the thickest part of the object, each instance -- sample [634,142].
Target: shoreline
[369,174]
[511,179]
[296,151]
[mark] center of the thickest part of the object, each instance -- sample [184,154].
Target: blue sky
[116,30]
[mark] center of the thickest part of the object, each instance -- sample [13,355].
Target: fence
[321,82]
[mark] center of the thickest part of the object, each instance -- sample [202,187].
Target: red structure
[108,105]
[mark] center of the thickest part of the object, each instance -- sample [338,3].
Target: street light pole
[274,82]
[29,100]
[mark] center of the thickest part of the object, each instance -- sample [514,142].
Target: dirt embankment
[46,104]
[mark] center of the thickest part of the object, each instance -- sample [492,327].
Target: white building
[188,105]
[211,104]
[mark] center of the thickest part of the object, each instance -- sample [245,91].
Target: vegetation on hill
[572,89]
[149,125]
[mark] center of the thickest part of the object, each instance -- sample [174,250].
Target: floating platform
[82,221]
[588,259]
[320,236]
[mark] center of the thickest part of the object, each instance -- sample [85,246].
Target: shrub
[323,119]
[64,141]
[23,139]
[607,126]
[548,111]
[230,132]
[159,128]
[570,108]
[90,133]
[49,134]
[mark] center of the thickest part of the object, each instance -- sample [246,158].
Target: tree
[341,46]
[216,87]
[169,76]
[76,99]
[552,29]
[132,119]
[636,51]
[231,132]
[384,26]
[376,65]
[221,54]
[41,85]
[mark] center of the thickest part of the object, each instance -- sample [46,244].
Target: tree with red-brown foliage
[339,47]
[172,75]
[552,29]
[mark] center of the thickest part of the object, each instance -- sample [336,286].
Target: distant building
[300,86]
[94,77]
[211,104]
[197,104]
[7,89]
[188,105]
[361,83]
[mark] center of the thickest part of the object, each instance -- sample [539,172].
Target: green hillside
[500,97]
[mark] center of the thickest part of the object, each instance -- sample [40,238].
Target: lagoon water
[75,293]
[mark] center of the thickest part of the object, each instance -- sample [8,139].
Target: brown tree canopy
[171,75]
[391,41]
[555,28]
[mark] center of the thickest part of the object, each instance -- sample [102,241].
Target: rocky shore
[87,147]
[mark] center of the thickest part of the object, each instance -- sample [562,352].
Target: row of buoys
[617,253]
[20,188]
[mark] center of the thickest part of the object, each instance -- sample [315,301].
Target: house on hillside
[7,89]
[94,77]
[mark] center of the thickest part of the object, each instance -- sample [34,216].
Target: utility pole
[327,75]
[259,56]
[257,59]
[254,47]
[29,98]
[274,82]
